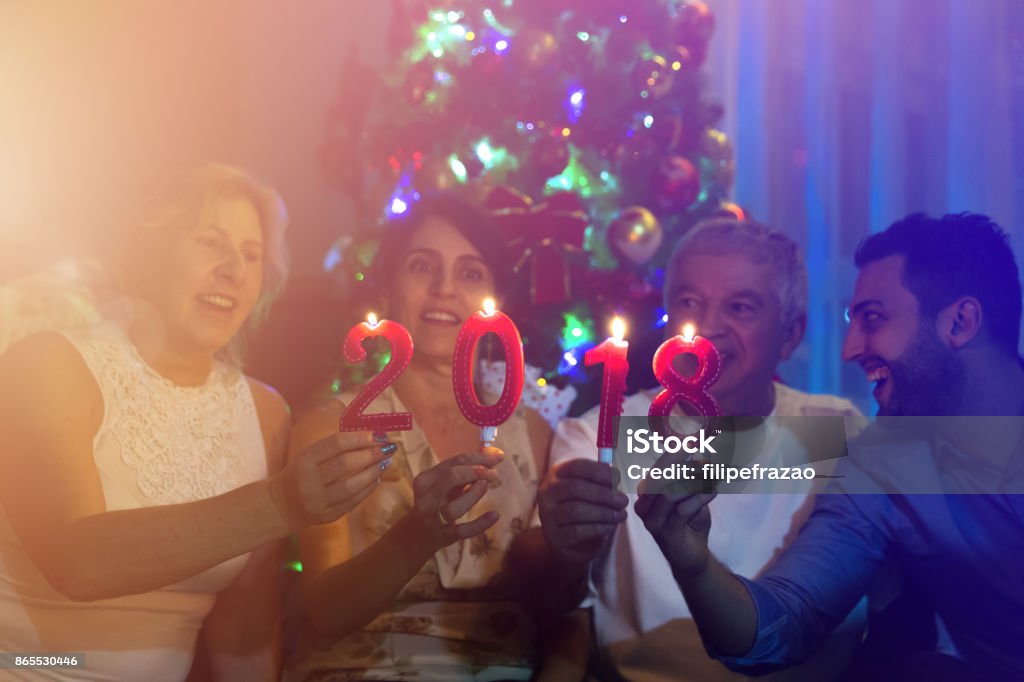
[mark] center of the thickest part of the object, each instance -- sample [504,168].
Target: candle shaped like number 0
[691,390]
[612,354]
[353,419]
[488,417]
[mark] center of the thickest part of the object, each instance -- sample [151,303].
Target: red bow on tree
[542,236]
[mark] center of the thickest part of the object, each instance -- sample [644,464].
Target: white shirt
[158,444]
[633,592]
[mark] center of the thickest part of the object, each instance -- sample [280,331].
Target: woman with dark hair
[144,483]
[415,583]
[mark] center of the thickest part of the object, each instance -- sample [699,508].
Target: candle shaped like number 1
[488,417]
[353,419]
[612,354]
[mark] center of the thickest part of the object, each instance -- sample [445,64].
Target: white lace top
[158,444]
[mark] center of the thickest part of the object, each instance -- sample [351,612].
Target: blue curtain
[848,114]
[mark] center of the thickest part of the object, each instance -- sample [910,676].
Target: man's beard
[928,380]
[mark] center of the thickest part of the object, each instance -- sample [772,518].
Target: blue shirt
[961,553]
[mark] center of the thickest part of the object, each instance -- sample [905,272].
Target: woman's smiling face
[208,279]
[441,280]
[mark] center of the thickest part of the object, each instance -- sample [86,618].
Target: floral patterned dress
[452,620]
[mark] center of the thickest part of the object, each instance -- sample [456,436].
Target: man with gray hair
[744,287]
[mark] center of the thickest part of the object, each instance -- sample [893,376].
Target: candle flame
[371,319]
[488,306]
[618,329]
[688,332]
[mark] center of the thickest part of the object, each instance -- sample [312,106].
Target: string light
[576,332]
[398,206]
[458,168]
[576,104]
[483,152]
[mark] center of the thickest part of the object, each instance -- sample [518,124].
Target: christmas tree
[579,123]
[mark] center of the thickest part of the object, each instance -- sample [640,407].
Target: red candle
[612,354]
[487,417]
[692,389]
[353,419]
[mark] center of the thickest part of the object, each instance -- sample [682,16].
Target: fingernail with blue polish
[388,449]
[380,437]
[384,465]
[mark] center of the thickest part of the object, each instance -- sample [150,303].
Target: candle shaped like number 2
[353,419]
[612,354]
[488,417]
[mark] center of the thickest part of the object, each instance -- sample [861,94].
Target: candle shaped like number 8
[353,419]
[692,389]
[612,354]
[488,417]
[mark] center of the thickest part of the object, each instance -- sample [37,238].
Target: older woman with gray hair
[144,487]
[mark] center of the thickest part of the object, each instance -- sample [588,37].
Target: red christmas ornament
[693,24]
[677,184]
